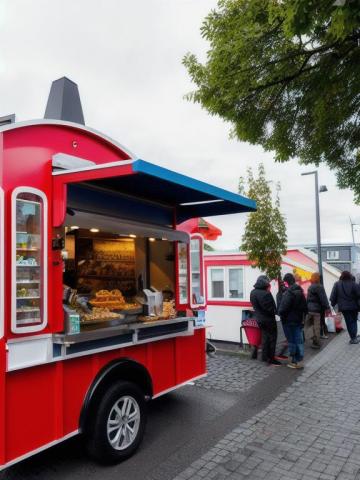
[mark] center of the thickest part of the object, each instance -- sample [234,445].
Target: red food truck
[99,290]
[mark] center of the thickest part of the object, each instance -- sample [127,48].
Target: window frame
[330,257]
[197,236]
[179,303]
[210,283]
[226,269]
[44,268]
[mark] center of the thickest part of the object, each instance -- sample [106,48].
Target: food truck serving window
[29,260]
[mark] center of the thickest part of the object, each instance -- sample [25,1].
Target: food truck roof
[155,190]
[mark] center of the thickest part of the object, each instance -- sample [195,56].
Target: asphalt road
[181,427]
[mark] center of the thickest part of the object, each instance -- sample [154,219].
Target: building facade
[230,277]
[343,256]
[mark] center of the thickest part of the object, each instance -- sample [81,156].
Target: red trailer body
[50,385]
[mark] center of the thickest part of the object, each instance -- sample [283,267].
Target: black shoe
[315,345]
[275,363]
[354,341]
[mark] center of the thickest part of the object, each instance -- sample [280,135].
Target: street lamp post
[318,235]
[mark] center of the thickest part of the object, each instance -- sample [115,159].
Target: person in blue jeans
[292,310]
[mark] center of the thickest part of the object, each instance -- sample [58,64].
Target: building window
[217,282]
[332,255]
[236,283]
[226,283]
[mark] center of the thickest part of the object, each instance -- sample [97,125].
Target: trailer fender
[123,369]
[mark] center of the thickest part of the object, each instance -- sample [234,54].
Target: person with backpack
[346,295]
[292,310]
[317,304]
[264,307]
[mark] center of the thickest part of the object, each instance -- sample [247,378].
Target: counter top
[113,328]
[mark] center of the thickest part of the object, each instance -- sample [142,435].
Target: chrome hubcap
[123,422]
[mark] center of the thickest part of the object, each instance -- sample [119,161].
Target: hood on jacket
[295,287]
[262,282]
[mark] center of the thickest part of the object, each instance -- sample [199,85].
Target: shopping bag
[330,324]
[339,322]
[338,319]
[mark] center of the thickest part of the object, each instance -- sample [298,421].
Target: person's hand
[327,313]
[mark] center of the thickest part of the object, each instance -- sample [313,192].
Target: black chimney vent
[6,119]
[64,102]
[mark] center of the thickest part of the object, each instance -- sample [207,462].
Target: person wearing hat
[292,310]
[264,307]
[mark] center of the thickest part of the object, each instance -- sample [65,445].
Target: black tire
[98,442]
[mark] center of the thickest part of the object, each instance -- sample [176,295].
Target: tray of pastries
[99,314]
[111,299]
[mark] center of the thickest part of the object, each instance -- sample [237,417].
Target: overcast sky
[126,58]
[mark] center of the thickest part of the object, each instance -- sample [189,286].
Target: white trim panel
[66,162]
[100,166]
[29,352]
[44,266]
[168,390]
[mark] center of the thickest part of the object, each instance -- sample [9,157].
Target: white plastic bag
[330,324]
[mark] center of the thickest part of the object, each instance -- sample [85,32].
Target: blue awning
[166,190]
[141,191]
[192,198]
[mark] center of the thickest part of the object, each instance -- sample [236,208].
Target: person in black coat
[292,310]
[265,309]
[346,294]
[317,304]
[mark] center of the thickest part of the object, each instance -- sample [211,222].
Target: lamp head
[323,188]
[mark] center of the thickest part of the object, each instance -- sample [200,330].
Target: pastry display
[99,315]
[113,299]
[169,310]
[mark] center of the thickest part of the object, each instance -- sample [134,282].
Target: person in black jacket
[317,304]
[265,309]
[345,294]
[292,310]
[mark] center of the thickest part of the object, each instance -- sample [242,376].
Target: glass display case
[29,249]
[196,264]
[183,274]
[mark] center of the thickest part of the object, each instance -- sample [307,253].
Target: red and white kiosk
[86,229]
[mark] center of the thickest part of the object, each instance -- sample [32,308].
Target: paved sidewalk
[311,431]
[233,374]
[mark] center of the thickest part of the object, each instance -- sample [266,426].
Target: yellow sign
[303,274]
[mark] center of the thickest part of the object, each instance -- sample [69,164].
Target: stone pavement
[309,432]
[233,374]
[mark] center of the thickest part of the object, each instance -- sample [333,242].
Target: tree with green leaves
[264,239]
[286,75]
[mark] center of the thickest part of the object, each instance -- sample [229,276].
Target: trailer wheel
[118,425]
